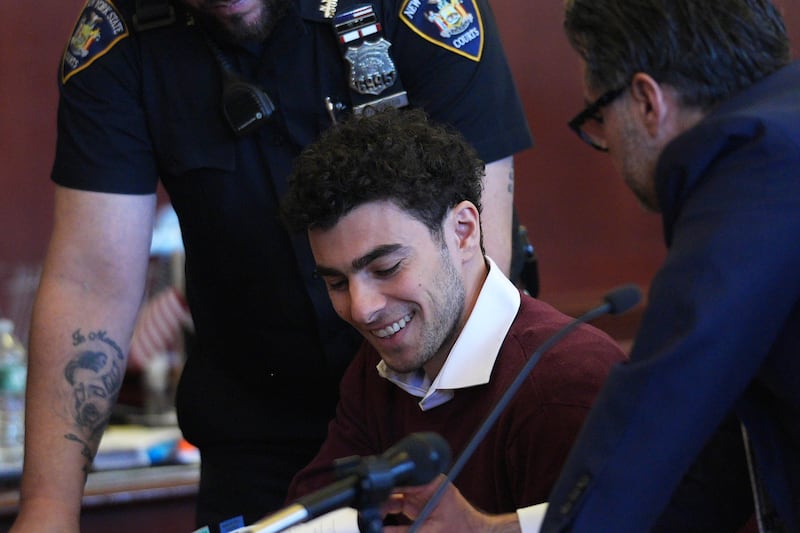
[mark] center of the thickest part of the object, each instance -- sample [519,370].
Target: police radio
[246,106]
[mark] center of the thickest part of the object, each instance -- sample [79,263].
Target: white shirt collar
[472,357]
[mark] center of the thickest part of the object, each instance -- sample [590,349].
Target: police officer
[214,99]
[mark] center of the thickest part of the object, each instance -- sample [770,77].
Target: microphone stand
[364,486]
[365,483]
[376,482]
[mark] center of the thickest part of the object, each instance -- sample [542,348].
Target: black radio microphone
[367,482]
[615,302]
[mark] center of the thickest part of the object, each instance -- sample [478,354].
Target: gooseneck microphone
[615,302]
[367,481]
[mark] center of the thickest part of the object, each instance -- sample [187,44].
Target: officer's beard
[236,29]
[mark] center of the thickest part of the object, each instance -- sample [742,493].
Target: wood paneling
[589,232]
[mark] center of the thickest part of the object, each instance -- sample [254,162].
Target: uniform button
[272,374]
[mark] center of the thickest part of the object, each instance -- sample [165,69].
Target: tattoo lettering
[511,181]
[77,338]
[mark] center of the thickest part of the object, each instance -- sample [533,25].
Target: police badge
[372,71]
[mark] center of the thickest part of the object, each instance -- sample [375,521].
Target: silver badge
[372,71]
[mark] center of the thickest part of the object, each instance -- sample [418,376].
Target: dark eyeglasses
[584,121]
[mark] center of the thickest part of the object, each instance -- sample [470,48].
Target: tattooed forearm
[95,375]
[86,451]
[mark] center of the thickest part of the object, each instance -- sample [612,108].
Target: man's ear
[466,227]
[653,103]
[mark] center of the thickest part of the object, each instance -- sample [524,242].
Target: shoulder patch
[99,28]
[455,25]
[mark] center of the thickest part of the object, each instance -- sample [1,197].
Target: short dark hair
[705,49]
[394,155]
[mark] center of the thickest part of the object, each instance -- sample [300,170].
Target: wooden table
[153,499]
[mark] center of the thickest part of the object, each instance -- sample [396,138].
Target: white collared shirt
[472,357]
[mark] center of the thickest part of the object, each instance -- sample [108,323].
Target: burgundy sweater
[519,460]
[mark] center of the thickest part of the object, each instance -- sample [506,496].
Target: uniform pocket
[195,143]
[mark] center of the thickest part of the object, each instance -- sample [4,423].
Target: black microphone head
[418,458]
[622,298]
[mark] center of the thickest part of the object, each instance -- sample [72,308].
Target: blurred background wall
[589,232]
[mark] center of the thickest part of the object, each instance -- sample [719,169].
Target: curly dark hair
[706,49]
[394,155]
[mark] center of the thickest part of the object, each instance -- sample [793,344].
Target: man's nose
[366,301]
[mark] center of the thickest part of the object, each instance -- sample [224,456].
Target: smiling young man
[391,205]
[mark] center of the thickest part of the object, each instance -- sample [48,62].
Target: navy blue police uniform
[260,381]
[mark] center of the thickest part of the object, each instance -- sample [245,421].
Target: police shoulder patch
[455,25]
[99,28]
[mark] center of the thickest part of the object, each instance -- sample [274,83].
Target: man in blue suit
[698,106]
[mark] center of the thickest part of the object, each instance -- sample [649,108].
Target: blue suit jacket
[722,327]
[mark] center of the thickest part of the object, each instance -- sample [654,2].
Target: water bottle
[13,372]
